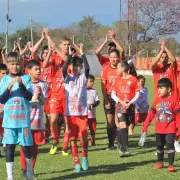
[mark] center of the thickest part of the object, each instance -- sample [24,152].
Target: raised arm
[86,64]
[112,35]
[47,62]
[100,48]
[158,57]
[172,59]
[3,53]
[38,44]
[65,67]
[19,45]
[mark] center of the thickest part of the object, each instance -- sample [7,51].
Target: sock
[10,170]
[84,147]
[29,169]
[48,130]
[110,133]
[119,140]
[22,159]
[115,134]
[160,155]
[55,136]
[124,136]
[171,157]
[65,142]
[75,156]
[34,154]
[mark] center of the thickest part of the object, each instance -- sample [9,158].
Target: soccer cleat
[124,154]
[65,153]
[110,148]
[158,165]
[85,164]
[127,154]
[177,146]
[77,168]
[171,168]
[54,149]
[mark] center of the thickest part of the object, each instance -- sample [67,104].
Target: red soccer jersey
[166,71]
[126,88]
[178,76]
[109,75]
[57,62]
[167,115]
[58,85]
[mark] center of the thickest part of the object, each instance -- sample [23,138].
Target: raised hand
[163,44]
[81,49]
[112,34]
[3,51]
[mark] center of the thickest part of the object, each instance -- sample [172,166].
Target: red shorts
[57,106]
[38,137]
[140,117]
[78,127]
[1,129]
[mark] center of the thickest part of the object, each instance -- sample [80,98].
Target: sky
[57,13]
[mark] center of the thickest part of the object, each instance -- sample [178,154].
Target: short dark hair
[141,77]
[45,47]
[114,51]
[112,44]
[164,82]
[75,59]
[3,67]
[32,63]
[91,77]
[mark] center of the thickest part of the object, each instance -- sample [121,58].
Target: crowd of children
[40,93]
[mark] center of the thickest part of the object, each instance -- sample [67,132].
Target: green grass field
[104,165]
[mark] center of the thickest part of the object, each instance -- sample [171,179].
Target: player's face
[163,91]
[64,46]
[164,59]
[2,73]
[90,83]
[35,72]
[44,54]
[14,67]
[120,69]
[114,59]
[77,68]
[141,82]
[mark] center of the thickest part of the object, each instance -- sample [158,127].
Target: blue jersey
[17,108]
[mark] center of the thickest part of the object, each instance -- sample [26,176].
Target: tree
[158,18]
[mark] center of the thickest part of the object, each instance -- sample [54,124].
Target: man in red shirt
[57,100]
[164,66]
[166,111]
[104,60]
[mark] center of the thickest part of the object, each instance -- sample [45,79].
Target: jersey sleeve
[3,85]
[96,96]
[28,84]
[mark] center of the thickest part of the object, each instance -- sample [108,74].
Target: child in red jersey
[76,105]
[3,71]
[93,102]
[125,92]
[109,74]
[166,111]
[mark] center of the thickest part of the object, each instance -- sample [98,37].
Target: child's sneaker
[65,153]
[54,149]
[77,168]
[85,165]
[159,165]
[171,168]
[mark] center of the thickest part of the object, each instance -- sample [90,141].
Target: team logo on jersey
[16,101]
[129,82]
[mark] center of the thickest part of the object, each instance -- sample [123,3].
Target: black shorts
[112,108]
[162,139]
[128,116]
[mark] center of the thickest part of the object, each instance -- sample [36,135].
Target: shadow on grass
[103,169]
